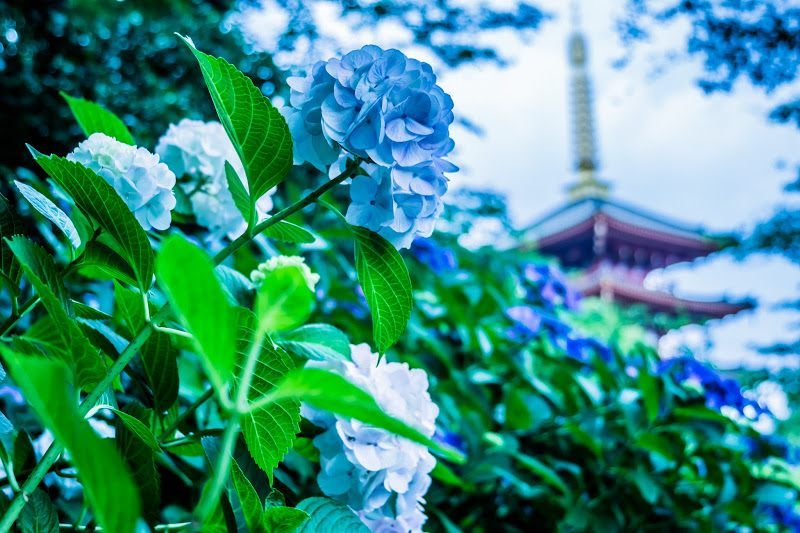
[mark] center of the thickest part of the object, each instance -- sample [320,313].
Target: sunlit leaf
[94,118]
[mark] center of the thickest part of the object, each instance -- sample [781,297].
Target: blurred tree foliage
[754,41]
[123,55]
[147,77]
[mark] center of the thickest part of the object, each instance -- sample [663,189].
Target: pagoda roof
[569,220]
[661,301]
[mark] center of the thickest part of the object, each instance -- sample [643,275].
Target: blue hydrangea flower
[437,258]
[388,110]
[547,286]
[719,391]
[138,176]
[381,476]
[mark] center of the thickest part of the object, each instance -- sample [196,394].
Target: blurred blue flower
[437,258]
[719,391]
[546,285]
[448,438]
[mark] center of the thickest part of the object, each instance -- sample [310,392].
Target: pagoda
[610,245]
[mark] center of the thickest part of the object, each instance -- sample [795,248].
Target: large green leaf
[99,261]
[329,516]
[94,118]
[106,481]
[101,202]
[282,519]
[319,342]
[331,392]
[51,211]
[159,357]
[258,131]
[138,447]
[248,498]
[39,515]
[284,299]
[186,273]
[387,286]
[241,198]
[10,225]
[288,232]
[268,431]
[85,360]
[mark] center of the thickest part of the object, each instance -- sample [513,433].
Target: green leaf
[84,359]
[241,198]
[39,515]
[159,357]
[318,342]
[137,427]
[46,207]
[99,261]
[135,443]
[329,516]
[239,288]
[256,128]
[288,232]
[101,202]
[547,474]
[45,384]
[268,431]
[284,299]
[186,273]
[94,118]
[331,392]
[650,393]
[10,225]
[387,286]
[283,519]
[248,498]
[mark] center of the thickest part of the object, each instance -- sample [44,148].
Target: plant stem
[55,450]
[211,497]
[288,211]
[189,410]
[9,324]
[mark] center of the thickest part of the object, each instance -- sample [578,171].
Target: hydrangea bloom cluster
[529,322]
[198,150]
[719,391]
[387,109]
[546,286]
[258,275]
[140,178]
[438,259]
[381,476]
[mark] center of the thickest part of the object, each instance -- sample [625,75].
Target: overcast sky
[708,160]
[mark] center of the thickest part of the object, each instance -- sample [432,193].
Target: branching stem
[54,452]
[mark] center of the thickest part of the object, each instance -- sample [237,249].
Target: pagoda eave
[660,301]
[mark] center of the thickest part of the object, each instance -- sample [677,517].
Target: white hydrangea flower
[140,178]
[281,261]
[381,476]
[198,150]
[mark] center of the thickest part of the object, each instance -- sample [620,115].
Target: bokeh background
[697,108]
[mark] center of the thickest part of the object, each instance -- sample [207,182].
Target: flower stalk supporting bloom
[126,356]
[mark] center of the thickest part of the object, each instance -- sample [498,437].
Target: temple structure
[612,245]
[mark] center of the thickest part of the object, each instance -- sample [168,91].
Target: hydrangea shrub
[203,337]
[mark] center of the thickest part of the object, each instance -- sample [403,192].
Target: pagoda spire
[584,144]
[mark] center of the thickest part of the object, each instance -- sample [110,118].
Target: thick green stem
[55,450]
[211,497]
